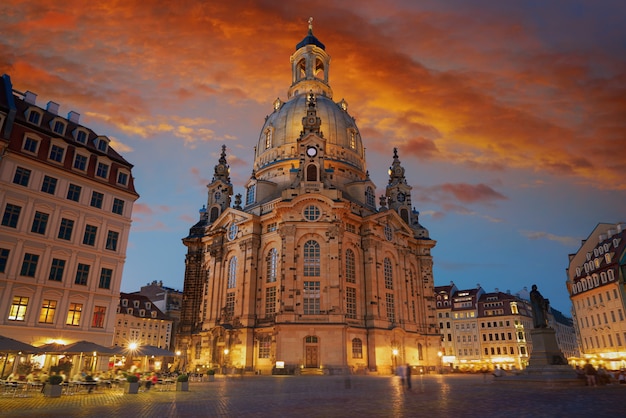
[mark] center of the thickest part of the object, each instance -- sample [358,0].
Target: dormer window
[102,144]
[56,153]
[81,136]
[136,303]
[154,314]
[130,311]
[148,305]
[122,178]
[58,127]
[103,170]
[142,312]
[34,117]
[124,302]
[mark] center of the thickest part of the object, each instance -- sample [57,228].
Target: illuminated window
[73,314]
[18,308]
[357,348]
[265,344]
[48,309]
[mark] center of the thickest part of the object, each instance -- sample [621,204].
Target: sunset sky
[509,116]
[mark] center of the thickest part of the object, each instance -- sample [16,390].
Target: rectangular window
[73,314]
[66,228]
[11,215]
[311,298]
[112,238]
[105,278]
[122,178]
[56,153]
[48,309]
[4,259]
[29,265]
[80,162]
[96,199]
[265,344]
[21,177]
[90,235]
[270,302]
[350,302]
[31,144]
[391,307]
[99,312]
[49,185]
[118,206]
[18,308]
[82,274]
[102,170]
[56,270]
[230,304]
[73,192]
[40,222]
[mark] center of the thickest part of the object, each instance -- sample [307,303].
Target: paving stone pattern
[333,396]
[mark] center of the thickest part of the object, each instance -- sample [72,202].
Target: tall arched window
[350,267]
[311,259]
[420,352]
[232,273]
[272,260]
[215,212]
[250,194]
[370,199]
[388,269]
[311,172]
[404,214]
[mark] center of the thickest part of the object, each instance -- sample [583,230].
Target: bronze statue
[540,308]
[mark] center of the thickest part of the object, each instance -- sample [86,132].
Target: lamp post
[394,352]
[440,354]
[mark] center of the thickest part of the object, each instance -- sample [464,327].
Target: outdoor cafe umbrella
[9,345]
[150,350]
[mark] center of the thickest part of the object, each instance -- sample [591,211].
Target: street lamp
[395,360]
[440,354]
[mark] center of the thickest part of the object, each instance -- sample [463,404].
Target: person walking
[407,376]
[590,373]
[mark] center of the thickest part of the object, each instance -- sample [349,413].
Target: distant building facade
[66,201]
[307,272]
[595,281]
[168,300]
[140,321]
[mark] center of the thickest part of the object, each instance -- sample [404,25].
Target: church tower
[309,274]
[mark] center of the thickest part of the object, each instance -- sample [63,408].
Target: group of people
[600,376]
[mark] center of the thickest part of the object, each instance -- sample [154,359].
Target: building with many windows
[308,272]
[141,322]
[595,281]
[66,199]
[167,299]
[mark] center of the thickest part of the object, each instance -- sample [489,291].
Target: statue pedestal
[546,363]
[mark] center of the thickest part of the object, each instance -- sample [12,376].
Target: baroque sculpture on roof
[306,274]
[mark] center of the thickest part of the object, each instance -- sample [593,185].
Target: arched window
[357,348]
[420,352]
[232,273]
[388,269]
[268,138]
[404,214]
[370,199]
[350,267]
[311,172]
[311,259]
[272,260]
[215,212]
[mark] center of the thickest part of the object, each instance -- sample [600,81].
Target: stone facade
[308,273]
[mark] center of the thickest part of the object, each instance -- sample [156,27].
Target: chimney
[73,117]
[30,97]
[52,107]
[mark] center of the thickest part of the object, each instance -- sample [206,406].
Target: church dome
[284,126]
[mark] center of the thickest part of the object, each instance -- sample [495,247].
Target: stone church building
[308,272]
